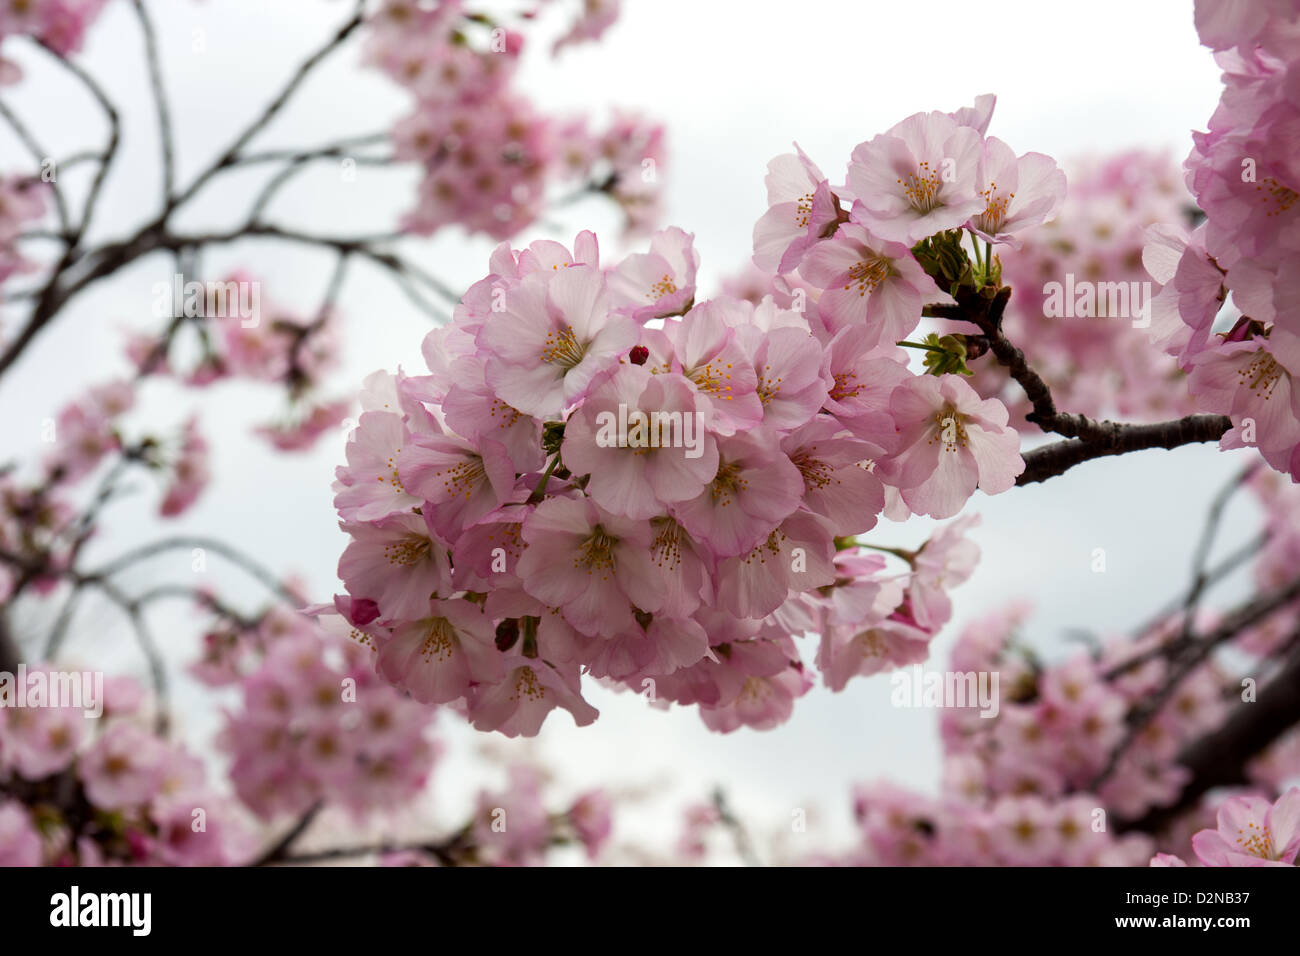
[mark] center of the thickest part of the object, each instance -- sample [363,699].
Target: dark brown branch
[456,849]
[279,850]
[148,647]
[1191,657]
[1215,574]
[744,847]
[296,164]
[335,150]
[10,655]
[1114,438]
[95,265]
[51,297]
[1089,439]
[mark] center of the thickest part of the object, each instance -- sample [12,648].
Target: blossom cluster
[1229,308]
[513,827]
[601,474]
[245,336]
[109,791]
[1059,725]
[488,154]
[88,430]
[1034,784]
[315,724]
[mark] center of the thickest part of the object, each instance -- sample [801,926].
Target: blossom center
[1256,840]
[597,552]
[817,474]
[393,479]
[408,551]
[803,210]
[1262,373]
[727,483]
[527,685]
[439,640]
[663,287]
[870,643]
[713,380]
[508,414]
[868,274]
[995,209]
[1282,197]
[949,429]
[562,348]
[922,187]
[846,386]
[463,477]
[666,548]
[768,387]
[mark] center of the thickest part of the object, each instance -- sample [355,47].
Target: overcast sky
[735,83]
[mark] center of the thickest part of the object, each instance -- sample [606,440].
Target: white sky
[736,83]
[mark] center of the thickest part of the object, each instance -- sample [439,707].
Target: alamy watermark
[1085,299]
[130,910]
[922,688]
[638,429]
[78,690]
[232,299]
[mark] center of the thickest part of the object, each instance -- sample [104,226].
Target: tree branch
[1192,656]
[1115,438]
[1220,759]
[1089,438]
[231,155]
[10,656]
[160,101]
[38,153]
[279,850]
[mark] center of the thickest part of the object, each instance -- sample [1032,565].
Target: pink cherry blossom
[437,657]
[917,179]
[123,767]
[554,336]
[801,208]
[1018,192]
[868,282]
[518,703]
[642,439]
[1253,832]
[658,283]
[397,563]
[585,562]
[754,489]
[950,442]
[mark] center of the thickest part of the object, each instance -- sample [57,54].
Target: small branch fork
[80,266]
[1086,438]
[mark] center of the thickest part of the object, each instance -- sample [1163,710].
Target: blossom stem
[903,553]
[540,491]
[921,345]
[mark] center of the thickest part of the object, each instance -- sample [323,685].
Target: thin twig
[230,156]
[1246,615]
[279,850]
[160,101]
[41,156]
[189,543]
